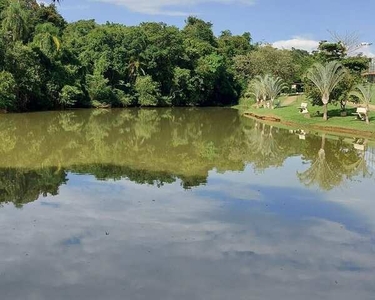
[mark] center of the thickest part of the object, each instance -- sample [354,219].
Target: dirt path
[289,100]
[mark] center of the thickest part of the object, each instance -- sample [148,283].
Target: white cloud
[184,245]
[297,43]
[168,7]
[310,45]
[368,51]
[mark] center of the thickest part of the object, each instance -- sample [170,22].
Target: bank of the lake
[288,115]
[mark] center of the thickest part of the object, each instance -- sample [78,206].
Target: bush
[122,98]
[148,91]
[70,95]
[7,91]
[98,89]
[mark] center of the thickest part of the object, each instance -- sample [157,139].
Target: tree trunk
[323,143]
[343,104]
[325,112]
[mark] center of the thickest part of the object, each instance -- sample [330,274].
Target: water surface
[182,204]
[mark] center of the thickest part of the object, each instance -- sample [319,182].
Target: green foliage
[200,30]
[264,88]
[69,95]
[49,14]
[326,77]
[364,94]
[268,60]
[98,89]
[147,91]
[7,91]
[328,51]
[122,98]
[46,37]
[232,45]
[26,68]
[16,20]
[355,65]
[56,64]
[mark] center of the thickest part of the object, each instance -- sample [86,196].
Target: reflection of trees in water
[158,146]
[364,166]
[320,171]
[7,137]
[21,186]
[267,145]
[264,143]
[137,144]
[335,162]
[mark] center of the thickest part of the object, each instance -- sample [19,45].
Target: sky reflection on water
[249,228]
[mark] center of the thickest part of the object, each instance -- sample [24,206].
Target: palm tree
[326,78]
[46,37]
[274,86]
[16,21]
[364,93]
[260,84]
[135,68]
[256,89]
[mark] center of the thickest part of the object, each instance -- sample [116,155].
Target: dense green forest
[47,63]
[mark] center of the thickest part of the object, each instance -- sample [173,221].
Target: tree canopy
[48,63]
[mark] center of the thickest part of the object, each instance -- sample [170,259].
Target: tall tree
[326,78]
[16,21]
[274,86]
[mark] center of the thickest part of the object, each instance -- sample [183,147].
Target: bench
[303,108]
[302,134]
[361,113]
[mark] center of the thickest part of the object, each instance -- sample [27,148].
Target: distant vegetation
[47,63]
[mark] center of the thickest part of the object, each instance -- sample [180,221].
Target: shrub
[7,91]
[70,95]
[148,91]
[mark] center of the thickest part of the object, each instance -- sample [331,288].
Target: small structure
[359,147]
[297,88]
[361,113]
[303,108]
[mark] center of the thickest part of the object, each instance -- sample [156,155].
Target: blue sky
[288,22]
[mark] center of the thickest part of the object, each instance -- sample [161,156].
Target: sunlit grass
[290,113]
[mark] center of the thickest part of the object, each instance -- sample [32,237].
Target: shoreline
[314,127]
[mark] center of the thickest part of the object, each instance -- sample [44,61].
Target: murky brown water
[182,204]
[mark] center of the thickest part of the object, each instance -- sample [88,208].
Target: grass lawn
[290,114]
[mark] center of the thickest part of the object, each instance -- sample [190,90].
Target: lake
[182,203]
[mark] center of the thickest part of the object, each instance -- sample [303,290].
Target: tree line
[47,63]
